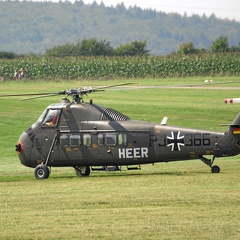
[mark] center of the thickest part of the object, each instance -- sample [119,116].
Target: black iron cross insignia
[175,141]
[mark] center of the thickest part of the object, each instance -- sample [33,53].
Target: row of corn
[122,67]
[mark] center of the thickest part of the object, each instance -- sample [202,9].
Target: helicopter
[88,136]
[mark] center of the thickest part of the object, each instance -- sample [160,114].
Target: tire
[83,171]
[215,169]
[41,172]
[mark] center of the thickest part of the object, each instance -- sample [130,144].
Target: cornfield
[123,67]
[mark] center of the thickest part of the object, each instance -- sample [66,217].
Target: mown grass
[179,200]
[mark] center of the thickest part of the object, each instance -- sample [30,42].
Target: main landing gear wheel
[41,172]
[209,162]
[215,169]
[82,171]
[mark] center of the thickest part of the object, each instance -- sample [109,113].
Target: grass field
[179,200]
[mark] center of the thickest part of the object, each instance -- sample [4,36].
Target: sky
[224,9]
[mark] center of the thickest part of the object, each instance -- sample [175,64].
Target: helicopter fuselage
[86,134]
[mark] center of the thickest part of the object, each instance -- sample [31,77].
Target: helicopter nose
[24,148]
[19,147]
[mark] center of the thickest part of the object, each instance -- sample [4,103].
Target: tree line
[34,26]
[220,45]
[94,47]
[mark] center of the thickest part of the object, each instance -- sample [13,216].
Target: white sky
[225,9]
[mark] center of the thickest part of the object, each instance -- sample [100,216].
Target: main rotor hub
[78,93]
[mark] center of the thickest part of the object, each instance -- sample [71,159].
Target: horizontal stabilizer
[164,121]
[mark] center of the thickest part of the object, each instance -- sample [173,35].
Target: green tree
[85,47]
[92,47]
[220,45]
[187,48]
[8,55]
[135,48]
[61,51]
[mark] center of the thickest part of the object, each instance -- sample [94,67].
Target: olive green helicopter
[88,136]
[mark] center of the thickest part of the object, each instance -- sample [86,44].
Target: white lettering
[133,152]
[136,153]
[129,153]
[121,153]
[144,152]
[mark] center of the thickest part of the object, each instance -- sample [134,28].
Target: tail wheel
[215,169]
[83,171]
[41,172]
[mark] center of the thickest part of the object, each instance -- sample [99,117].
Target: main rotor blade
[189,85]
[41,96]
[31,94]
[205,85]
[110,86]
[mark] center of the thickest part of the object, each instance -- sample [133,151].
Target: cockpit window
[42,116]
[51,118]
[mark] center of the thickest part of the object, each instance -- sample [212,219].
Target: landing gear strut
[42,171]
[209,162]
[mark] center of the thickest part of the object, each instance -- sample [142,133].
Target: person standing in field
[15,76]
[21,73]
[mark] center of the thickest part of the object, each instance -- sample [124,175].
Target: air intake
[113,115]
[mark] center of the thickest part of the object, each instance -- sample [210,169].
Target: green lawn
[179,200]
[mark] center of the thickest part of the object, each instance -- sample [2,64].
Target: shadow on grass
[100,174]
[126,175]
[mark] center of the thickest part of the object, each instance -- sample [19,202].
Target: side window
[87,140]
[75,140]
[100,139]
[64,140]
[122,139]
[51,118]
[111,139]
